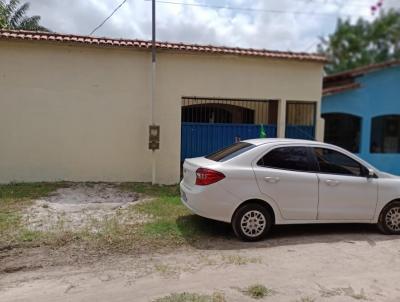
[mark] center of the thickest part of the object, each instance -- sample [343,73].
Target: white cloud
[203,25]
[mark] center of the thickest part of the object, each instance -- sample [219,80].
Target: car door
[286,175]
[345,191]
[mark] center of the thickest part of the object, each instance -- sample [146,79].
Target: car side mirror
[371,173]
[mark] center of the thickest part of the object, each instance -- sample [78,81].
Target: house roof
[346,80]
[352,73]
[340,88]
[168,46]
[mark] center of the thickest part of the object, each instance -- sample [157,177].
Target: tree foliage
[13,15]
[362,43]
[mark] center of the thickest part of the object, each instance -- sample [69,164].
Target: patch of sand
[81,206]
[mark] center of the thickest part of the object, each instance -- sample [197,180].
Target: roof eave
[21,35]
[360,71]
[340,89]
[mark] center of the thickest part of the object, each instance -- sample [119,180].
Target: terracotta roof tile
[340,88]
[63,38]
[360,70]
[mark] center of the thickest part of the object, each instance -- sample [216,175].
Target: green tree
[13,16]
[362,43]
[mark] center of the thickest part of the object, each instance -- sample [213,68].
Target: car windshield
[230,152]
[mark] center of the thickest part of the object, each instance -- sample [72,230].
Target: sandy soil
[313,263]
[80,206]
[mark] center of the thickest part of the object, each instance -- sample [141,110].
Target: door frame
[314,117]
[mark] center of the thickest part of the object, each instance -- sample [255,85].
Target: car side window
[287,158]
[334,162]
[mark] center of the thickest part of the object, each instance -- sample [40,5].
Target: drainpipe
[153,81]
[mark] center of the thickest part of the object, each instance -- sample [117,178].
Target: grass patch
[191,297]
[307,299]
[13,199]
[257,291]
[173,224]
[164,210]
[24,191]
[240,260]
[151,190]
[165,269]
[170,224]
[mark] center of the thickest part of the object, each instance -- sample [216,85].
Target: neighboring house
[361,108]
[78,108]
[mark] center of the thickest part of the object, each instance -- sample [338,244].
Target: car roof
[262,141]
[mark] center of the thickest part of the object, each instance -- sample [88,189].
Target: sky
[294,25]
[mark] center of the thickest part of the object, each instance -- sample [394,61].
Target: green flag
[262,132]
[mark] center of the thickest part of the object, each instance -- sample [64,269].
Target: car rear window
[230,152]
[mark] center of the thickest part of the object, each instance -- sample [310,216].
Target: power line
[335,2]
[106,19]
[249,9]
[352,2]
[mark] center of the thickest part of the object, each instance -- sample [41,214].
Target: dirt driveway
[297,263]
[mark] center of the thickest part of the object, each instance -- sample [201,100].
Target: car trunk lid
[190,167]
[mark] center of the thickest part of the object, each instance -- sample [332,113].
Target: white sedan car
[257,183]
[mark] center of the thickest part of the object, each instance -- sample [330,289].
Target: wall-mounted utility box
[154,137]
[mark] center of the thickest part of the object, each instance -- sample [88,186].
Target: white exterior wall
[81,113]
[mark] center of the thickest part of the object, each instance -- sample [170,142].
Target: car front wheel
[251,222]
[389,220]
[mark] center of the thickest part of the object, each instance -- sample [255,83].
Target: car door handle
[332,182]
[271,179]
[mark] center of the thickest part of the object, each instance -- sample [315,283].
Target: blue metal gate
[300,132]
[199,139]
[210,124]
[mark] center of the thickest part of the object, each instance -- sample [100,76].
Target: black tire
[260,213]
[385,224]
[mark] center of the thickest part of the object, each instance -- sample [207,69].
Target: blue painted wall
[379,94]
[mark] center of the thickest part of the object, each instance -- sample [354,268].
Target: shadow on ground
[215,235]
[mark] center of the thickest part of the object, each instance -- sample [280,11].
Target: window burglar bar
[228,111]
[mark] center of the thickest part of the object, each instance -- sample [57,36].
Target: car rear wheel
[251,222]
[389,220]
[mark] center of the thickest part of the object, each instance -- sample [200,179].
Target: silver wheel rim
[392,219]
[253,223]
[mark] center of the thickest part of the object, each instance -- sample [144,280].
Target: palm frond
[31,23]
[18,15]
[3,20]
[14,16]
[11,7]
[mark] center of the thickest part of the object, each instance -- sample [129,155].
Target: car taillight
[206,177]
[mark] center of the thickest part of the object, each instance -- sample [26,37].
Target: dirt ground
[299,263]
[79,207]
[296,263]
